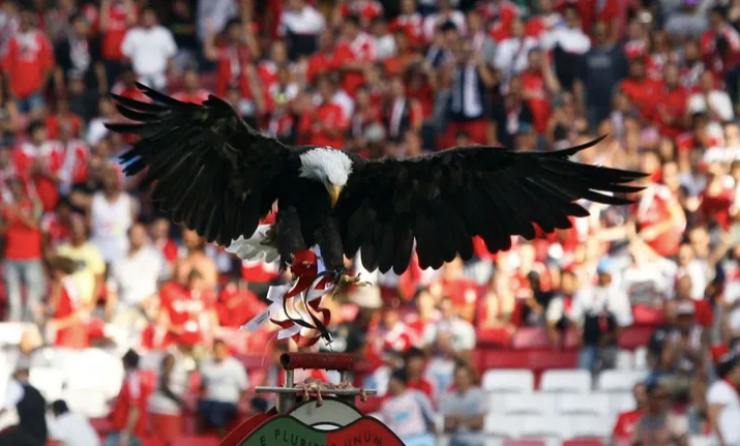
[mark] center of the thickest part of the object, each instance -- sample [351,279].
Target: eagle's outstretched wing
[445,199]
[211,171]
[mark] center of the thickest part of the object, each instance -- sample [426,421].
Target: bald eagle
[213,173]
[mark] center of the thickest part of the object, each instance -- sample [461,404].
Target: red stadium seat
[583,442]
[530,338]
[635,336]
[196,440]
[524,442]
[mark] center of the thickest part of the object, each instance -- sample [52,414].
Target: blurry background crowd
[642,299]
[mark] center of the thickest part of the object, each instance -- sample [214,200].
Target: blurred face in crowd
[77,231]
[657,400]
[604,278]
[192,240]
[80,27]
[475,21]
[396,386]
[640,394]
[683,287]
[685,254]
[415,366]
[326,89]
[220,351]
[38,134]
[534,60]
[111,181]
[463,379]
[600,33]
[295,5]
[390,318]
[27,21]
[517,28]
[398,90]
[191,79]
[672,75]
[544,6]
[408,7]
[699,239]
[572,20]
[568,283]
[706,82]
[137,236]
[149,18]
[637,69]
[279,52]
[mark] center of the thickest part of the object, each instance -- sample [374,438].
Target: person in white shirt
[70,429]
[457,330]
[150,48]
[112,212]
[301,24]
[512,53]
[133,279]
[464,409]
[408,412]
[135,276]
[713,101]
[599,310]
[723,398]
[224,382]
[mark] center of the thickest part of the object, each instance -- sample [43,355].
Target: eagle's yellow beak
[334,192]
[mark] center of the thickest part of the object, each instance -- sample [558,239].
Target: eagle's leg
[288,234]
[330,242]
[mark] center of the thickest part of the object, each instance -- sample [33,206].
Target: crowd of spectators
[88,260]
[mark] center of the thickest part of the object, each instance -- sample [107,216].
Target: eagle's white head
[330,166]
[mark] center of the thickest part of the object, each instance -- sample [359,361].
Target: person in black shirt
[31,408]
[603,67]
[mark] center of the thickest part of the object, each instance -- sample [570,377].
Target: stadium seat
[528,403]
[619,380]
[87,402]
[195,440]
[621,402]
[583,404]
[530,338]
[634,336]
[588,426]
[566,380]
[553,426]
[625,360]
[503,425]
[514,380]
[524,442]
[583,442]
[640,360]
[48,381]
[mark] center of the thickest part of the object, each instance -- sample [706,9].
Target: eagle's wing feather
[211,172]
[441,201]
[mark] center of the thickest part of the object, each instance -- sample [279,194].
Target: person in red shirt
[191,92]
[237,305]
[671,109]
[28,63]
[539,84]
[129,414]
[642,91]
[37,162]
[234,60]
[624,428]
[63,118]
[187,315]
[19,225]
[116,16]
[415,363]
[355,51]
[69,317]
[328,123]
